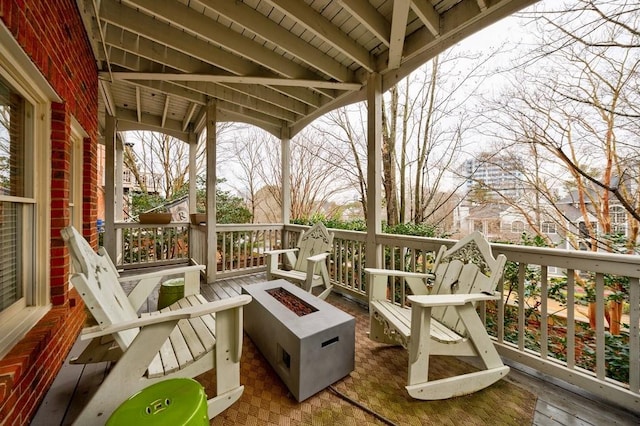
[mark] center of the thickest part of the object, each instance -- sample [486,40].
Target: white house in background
[561,224]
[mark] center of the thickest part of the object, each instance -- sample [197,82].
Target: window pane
[10,266]
[13,113]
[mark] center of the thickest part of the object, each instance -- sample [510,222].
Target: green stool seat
[170,292]
[170,402]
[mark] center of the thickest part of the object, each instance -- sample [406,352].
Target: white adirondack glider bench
[186,339]
[308,261]
[441,320]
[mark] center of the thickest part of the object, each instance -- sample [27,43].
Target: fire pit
[308,342]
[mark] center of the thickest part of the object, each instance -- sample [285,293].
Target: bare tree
[344,129]
[249,157]
[576,99]
[158,162]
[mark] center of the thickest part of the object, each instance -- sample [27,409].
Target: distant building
[493,174]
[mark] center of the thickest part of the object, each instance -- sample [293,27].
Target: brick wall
[28,370]
[52,35]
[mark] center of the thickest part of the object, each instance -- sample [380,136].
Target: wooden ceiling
[277,64]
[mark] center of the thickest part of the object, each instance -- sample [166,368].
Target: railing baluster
[600,361]
[571,324]
[521,305]
[544,306]
[634,335]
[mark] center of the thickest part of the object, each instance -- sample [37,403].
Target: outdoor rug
[375,386]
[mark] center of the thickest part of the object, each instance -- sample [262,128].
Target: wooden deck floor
[556,404]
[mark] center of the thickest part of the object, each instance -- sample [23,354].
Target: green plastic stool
[170,292]
[170,402]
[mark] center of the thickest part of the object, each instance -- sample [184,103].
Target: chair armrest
[433,300]
[175,315]
[394,273]
[280,251]
[317,257]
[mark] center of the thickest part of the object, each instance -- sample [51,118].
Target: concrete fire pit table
[309,352]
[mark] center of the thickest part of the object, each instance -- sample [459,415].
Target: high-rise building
[493,175]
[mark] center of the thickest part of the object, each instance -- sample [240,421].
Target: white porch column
[193,150]
[109,240]
[285,149]
[118,174]
[374,172]
[212,241]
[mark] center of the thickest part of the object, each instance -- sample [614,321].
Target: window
[16,205]
[517,226]
[548,228]
[618,220]
[25,174]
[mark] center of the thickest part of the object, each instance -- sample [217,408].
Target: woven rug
[376,384]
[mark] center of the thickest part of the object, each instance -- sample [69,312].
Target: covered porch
[181,68]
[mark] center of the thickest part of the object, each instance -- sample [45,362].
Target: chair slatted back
[96,279]
[467,267]
[315,240]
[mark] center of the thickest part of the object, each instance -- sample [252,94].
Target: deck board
[556,405]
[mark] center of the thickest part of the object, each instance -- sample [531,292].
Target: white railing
[145,245]
[542,321]
[240,248]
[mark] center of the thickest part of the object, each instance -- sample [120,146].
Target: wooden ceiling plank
[254,21]
[369,17]
[325,30]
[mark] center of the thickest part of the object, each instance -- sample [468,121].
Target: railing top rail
[611,263]
[122,225]
[249,226]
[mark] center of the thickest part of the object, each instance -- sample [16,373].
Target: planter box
[308,352]
[198,218]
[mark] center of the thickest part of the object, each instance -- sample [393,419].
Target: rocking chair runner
[308,259]
[442,320]
[186,339]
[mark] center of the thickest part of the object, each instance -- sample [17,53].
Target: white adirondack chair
[188,338]
[442,320]
[309,260]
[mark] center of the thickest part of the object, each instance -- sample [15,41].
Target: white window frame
[75,175]
[520,224]
[18,70]
[619,222]
[549,227]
